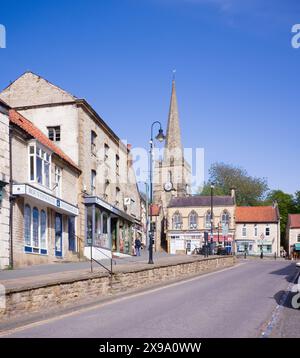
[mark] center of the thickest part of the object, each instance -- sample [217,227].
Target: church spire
[173,137]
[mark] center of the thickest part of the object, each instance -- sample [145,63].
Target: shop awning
[98,201]
[61,206]
[297,246]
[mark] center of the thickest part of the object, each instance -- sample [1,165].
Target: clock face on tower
[168,186]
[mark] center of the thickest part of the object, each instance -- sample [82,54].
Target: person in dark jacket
[137,246]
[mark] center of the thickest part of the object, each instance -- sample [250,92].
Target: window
[267,231]
[104,228]
[43,229]
[93,182]
[93,142]
[39,165]
[177,222]
[255,230]
[58,176]
[193,220]
[27,224]
[106,149]
[225,218]
[118,195]
[207,220]
[298,238]
[54,133]
[117,164]
[35,230]
[244,230]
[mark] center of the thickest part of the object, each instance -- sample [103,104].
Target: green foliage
[249,190]
[287,204]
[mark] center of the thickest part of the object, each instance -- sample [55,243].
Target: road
[234,302]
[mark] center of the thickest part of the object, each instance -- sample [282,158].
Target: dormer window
[39,165]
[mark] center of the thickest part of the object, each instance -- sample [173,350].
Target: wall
[201,211]
[65,116]
[38,297]
[4,175]
[292,238]
[274,235]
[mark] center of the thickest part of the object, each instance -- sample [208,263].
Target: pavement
[40,275]
[240,301]
[59,267]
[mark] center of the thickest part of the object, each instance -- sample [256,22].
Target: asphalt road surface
[234,302]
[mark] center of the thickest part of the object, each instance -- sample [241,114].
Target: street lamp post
[160,137]
[211,218]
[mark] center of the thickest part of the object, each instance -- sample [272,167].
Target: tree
[286,205]
[297,201]
[249,190]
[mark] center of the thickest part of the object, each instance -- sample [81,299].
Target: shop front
[108,228]
[245,246]
[44,225]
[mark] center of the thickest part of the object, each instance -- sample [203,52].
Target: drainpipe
[11,203]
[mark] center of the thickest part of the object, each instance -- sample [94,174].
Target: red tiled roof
[154,210]
[19,120]
[256,214]
[294,221]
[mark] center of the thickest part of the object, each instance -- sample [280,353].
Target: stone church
[172,174]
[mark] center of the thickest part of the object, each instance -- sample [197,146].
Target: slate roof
[199,200]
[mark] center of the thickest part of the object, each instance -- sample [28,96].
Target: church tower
[172,174]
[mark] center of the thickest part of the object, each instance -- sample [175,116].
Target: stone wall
[37,297]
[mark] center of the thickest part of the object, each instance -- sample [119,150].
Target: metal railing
[111,260]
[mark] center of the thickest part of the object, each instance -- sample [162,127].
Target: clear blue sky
[237,74]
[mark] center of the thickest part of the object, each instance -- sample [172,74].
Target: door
[71,233]
[58,235]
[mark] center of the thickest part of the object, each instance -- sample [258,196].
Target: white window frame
[207,223]
[36,249]
[255,230]
[177,225]
[193,226]
[244,230]
[45,152]
[58,184]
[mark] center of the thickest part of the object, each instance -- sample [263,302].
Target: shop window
[35,230]
[105,219]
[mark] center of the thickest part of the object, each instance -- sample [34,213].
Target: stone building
[292,239]
[4,187]
[257,230]
[189,218]
[172,173]
[108,197]
[44,197]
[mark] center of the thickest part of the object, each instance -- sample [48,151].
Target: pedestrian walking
[137,246]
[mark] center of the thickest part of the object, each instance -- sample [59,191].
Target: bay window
[39,165]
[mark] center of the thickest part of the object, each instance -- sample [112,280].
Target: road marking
[116,300]
[278,309]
